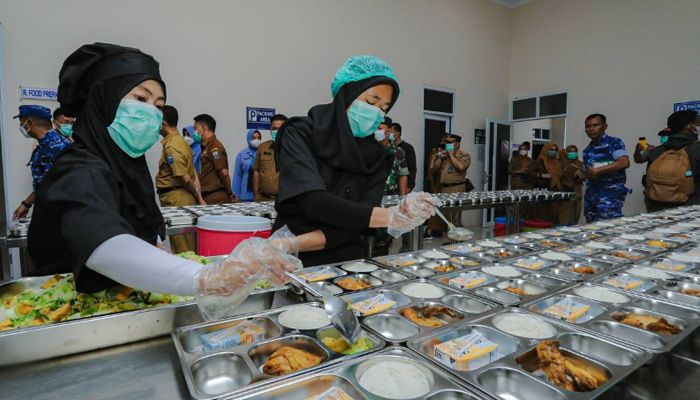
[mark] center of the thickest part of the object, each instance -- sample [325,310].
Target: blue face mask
[449,147]
[136,127]
[364,118]
[572,155]
[273,134]
[663,139]
[66,129]
[551,153]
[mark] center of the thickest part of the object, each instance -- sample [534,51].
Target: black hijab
[328,130]
[92,82]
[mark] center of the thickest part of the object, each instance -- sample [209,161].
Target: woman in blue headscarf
[243,175]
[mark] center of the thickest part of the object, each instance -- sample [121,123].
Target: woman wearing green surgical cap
[572,179]
[332,169]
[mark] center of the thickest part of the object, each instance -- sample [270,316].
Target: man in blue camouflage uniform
[35,123]
[604,162]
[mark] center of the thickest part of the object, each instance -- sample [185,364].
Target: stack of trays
[217,363]
[175,216]
[623,316]
[426,380]
[505,361]
[504,290]
[336,279]
[394,324]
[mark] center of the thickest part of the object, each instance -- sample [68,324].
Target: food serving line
[183,220]
[581,289]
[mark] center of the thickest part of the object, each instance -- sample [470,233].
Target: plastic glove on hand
[411,211]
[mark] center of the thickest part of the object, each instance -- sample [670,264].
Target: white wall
[219,56]
[628,59]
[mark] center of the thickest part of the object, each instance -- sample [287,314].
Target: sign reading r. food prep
[259,118]
[687,105]
[35,93]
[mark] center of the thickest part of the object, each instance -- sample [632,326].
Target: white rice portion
[651,273]
[304,318]
[488,243]
[434,254]
[422,290]
[554,256]
[501,270]
[395,380]
[601,294]
[526,326]
[359,266]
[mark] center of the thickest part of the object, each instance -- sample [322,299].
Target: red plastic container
[219,234]
[499,229]
[534,224]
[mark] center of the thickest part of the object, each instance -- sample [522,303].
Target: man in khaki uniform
[266,178]
[214,175]
[453,164]
[176,182]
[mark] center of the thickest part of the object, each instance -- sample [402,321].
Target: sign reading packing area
[36,93]
[259,118]
[687,105]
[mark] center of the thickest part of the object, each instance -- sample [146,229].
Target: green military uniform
[213,159]
[176,161]
[266,166]
[452,179]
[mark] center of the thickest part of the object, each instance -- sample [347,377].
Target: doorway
[497,153]
[435,128]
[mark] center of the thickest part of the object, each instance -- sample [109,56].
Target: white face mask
[379,135]
[255,143]
[24,131]
[522,152]
[189,140]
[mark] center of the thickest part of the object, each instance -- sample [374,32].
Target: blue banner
[687,105]
[259,118]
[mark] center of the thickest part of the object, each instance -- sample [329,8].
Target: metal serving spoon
[453,232]
[339,312]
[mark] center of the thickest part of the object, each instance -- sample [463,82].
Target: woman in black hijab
[333,170]
[96,214]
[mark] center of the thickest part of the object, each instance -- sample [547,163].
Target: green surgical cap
[358,68]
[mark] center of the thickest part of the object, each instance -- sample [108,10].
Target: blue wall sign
[687,105]
[259,118]
[35,93]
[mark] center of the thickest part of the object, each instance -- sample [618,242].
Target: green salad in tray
[56,300]
[192,256]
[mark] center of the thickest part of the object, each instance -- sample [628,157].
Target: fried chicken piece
[584,269]
[288,359]
[584,378]
[353,284]
[517,291]
[651,323]
[692,292]
[444,268]
[6,324]
[553,363]
[429,322]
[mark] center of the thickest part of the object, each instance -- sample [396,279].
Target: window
[535,107]
[525,108]
[438,101]
[554,104]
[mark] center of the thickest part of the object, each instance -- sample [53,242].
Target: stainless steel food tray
[633,255]
[554,242]
[395,328]
[514,377]
[563,270]
[428,269]
[507,252]
[76,336]
[463,249]
[232,371]
[346,376]
[600,319]
[401,260]
[381,276]
[670,290]
[493,288]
